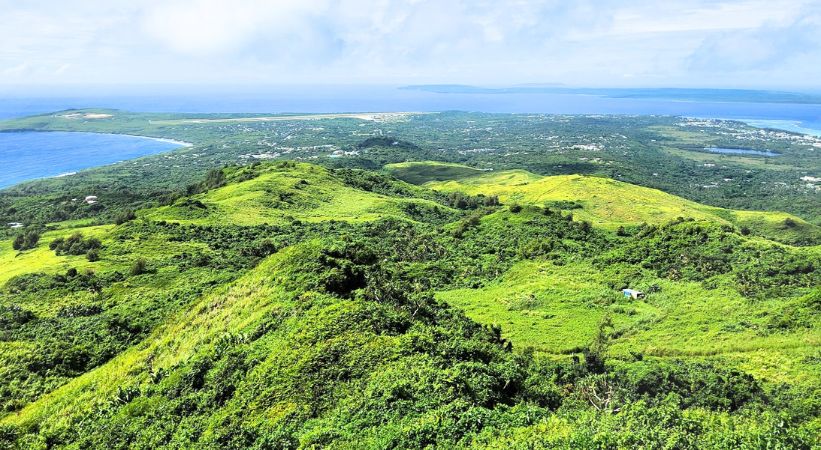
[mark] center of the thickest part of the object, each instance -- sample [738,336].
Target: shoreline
[74,171]
[158,139]
[793,126]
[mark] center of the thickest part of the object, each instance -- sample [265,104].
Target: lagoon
[29,155]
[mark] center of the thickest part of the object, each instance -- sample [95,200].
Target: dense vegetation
[464,291]
[666,153]
[286,305]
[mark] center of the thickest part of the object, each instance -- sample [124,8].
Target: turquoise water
[329,99]
[741,151]
[29,155]
[788,125]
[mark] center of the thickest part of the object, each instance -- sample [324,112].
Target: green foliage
[139,267]
[125,216]
[214,178]
[564,204]
[26,241]
[93,255]
[316,332]
[698,251]
[595,355]
[75,244]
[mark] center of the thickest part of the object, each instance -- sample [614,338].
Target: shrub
[125,216]
[93,255]
[25,241]
[139,267]
[74,245]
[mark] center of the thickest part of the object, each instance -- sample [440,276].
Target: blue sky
[743,43]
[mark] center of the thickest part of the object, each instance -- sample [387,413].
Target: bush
[25,241]
[74,245]
[139,267]
[125,216]
[93,255]
[564,204]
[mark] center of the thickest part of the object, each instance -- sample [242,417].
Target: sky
[774,44]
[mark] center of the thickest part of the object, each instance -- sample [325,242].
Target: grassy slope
[607,203]
[230,309]
[248,202]
[422,172]
[305,192]
[41,259]
[117,256]
[553,308]
[556,310]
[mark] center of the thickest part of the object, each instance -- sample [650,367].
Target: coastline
[153,138]
[68,170]
[794,126]
[158,139]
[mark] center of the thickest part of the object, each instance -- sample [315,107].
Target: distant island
[683,94]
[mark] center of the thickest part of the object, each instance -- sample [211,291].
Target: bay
[29,155]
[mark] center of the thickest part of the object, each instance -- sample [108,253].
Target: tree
[25,241]
[93,255]
[596,353]
[18,243]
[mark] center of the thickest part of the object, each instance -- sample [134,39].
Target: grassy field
[41,259]
[557,309]
[281,195]
[602,201]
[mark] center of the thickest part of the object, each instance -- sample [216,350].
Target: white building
[632,293]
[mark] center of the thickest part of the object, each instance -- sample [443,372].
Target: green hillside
[288,305]
[288,192]
[425,171]
[602,201]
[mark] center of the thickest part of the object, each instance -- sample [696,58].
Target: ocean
[29,155]
[37,155]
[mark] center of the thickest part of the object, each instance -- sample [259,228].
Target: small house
[91,199]
[632,293]
[15,225]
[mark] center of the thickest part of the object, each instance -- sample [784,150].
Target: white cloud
[774,47]
[407,41]
[207,27]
